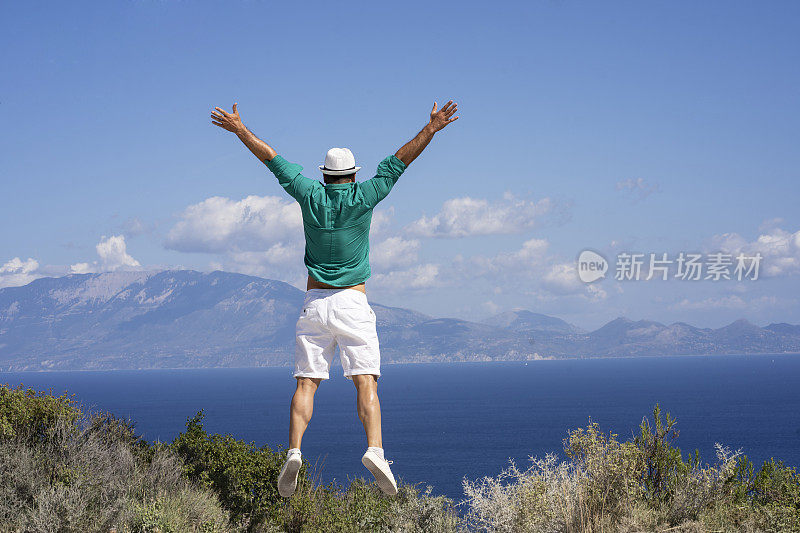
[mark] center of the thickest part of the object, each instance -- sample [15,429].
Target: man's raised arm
[232,122]
[439,119]
[288,174]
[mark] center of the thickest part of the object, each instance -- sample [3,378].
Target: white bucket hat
[339,161]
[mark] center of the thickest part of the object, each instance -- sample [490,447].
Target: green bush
[361,506]
[61,470]
[663,463]
[769,497]
[242,475]
[31,414]
[776,483]
[244,478]
[612,470]
[639,485]
[175,513]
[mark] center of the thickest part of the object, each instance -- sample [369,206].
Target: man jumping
[336,221]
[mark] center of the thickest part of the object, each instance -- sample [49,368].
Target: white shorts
[336,316]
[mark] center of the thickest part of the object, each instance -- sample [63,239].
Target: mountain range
[184,318]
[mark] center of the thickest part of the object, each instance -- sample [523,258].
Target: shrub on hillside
[244,478]
[61,470]
[639,485]
[361,506]
[27,413]
[241,474]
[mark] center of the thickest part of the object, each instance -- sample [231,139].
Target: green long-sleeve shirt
[336,218]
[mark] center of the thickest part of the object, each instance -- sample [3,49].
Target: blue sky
[656,127]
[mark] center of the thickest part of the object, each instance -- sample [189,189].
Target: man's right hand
[228,121]
[233,123]
[441,118]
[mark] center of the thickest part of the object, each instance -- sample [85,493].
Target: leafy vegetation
[643,484]
[63,470]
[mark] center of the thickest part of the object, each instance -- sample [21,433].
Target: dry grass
[87,478]
[642,485]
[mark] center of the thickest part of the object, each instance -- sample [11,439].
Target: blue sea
[443,422]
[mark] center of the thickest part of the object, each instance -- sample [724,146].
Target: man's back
[336,218]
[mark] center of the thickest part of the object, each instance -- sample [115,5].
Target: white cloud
[417,277]
[381,220]
[218,225]
[779,248]
[281,261]
[278,254]
[113,255]
[770,223]
[466,217]
[596,292]
[17,272]
[529,269]
[734,301]
[532,253]
[563,278]
[491,307]
[257,235]
[639,188]
[394,252]
[724,302]
[82,268]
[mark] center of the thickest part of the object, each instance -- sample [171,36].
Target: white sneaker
[380,469]
[287,479]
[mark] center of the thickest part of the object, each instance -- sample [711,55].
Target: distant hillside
[625,337]
[523,320]
[183,318]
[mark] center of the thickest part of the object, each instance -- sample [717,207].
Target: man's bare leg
[369,408]
[301,409]
[369,411]
[299,415]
